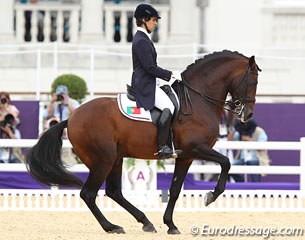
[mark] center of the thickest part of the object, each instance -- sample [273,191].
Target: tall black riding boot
[164,151]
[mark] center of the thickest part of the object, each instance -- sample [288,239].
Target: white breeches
[162,101]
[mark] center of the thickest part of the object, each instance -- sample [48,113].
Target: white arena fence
[55,199]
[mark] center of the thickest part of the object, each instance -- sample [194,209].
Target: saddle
[127,105]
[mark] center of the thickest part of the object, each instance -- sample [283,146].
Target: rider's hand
[176,76]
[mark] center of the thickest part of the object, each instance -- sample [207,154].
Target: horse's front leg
[206,153]
[181,168]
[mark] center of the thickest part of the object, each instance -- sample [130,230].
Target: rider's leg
[163,102]
[164,151]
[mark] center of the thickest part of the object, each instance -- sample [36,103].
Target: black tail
[44,161]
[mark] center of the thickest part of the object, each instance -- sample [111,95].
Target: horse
[101,136]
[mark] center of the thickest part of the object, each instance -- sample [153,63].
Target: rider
[145,72]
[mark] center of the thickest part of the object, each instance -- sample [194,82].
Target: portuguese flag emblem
[133,110]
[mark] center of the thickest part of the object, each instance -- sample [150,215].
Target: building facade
[92,38]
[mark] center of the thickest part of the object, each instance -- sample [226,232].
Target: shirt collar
[144,31]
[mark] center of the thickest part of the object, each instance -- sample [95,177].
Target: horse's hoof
[117,230]
[173,231]
[149,228]
[208,199]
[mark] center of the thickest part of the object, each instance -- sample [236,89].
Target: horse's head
[243,90]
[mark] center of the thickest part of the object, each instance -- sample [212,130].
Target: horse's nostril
[250,115]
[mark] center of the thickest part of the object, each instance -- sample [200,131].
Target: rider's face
[152,23]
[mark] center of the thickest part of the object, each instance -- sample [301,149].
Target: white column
[202,4]
[109,25]
[74,16]
[47,26]
[34,26]
[183,21]
[123,24]
[60,26]
[20,22]
[163,25]
[7,21]
[92,17]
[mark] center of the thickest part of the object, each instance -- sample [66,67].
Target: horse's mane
[214,55]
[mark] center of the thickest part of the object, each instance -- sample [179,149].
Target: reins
[238,103]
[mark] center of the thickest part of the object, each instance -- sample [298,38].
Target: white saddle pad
[129,109]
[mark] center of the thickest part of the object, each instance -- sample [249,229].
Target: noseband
[238,105]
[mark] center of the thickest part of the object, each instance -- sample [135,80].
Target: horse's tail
[44,161]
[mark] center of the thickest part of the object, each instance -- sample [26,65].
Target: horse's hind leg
[113,190]
[88,194]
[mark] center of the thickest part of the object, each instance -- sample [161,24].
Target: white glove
[176,76]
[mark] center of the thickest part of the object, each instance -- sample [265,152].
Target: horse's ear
[251,60]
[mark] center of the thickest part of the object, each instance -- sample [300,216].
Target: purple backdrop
[29,118]
[282,122]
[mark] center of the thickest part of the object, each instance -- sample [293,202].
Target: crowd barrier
[190,200]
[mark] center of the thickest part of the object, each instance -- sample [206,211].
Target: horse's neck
[213,88]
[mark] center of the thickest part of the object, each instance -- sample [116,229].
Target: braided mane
[214,55]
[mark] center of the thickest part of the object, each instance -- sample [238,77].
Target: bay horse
[101,136]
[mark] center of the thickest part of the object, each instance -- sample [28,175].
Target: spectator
[62,105]
[248,132]
[6,107]
[8,130]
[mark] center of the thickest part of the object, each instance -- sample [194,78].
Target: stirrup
[163,155]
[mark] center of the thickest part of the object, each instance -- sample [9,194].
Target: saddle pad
[129,109]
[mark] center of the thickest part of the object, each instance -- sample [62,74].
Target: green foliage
[130,162]
[76,85]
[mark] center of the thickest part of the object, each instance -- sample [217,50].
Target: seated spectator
[6,107]
[8,130]
[248,132]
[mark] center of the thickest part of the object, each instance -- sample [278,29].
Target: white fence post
[92,67]
[302,165]
[38,68]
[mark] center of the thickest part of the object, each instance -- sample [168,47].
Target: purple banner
[29,118]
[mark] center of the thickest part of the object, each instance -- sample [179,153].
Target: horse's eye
[237,103]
